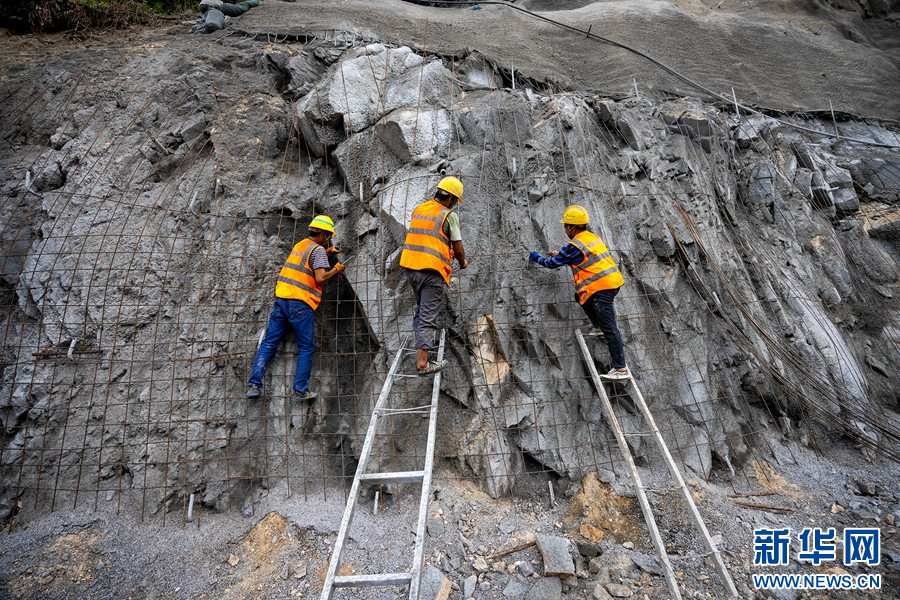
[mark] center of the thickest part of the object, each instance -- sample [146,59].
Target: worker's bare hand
[332,250]
[463,263]
[339,268]
[553,253]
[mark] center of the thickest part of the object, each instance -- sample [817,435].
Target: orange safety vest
[427,247]
[297,281]
[598,270]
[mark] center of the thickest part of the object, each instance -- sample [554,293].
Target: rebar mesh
[138,275]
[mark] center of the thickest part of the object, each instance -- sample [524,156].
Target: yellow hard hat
[323,222]
[575,215]
[452,186]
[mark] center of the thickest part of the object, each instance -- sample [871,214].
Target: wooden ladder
[674,472]
[413,578]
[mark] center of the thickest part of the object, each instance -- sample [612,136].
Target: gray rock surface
[546,588]
[618,590]
[469,584]
[435,586]
[514,589]
[598,592]
[647,563]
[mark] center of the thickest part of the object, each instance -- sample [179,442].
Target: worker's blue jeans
[299,315]
[602,313]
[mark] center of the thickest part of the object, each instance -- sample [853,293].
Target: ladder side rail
[675,472]
[416,582]
[328,587]
[377,580]
[635,476]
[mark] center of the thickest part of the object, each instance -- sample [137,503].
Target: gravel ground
[282,550]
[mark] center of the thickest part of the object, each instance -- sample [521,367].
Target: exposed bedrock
[761,268]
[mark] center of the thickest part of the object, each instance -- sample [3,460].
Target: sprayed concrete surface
[778,58]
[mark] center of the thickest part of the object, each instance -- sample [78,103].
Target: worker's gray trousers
[428,289]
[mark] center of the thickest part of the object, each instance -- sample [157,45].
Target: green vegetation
[55,15]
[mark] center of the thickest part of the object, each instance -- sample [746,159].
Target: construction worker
[597,281]
[431,243]
[298,293]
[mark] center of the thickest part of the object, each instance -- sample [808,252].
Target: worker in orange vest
[432,241]
[298,292]
[597,281]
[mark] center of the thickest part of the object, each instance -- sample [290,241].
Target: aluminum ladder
[674,472]
[414,577]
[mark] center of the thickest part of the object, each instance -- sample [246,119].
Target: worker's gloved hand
[339,268]
[332,250]
[534,256]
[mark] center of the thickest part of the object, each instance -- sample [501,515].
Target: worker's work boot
[303,397]
[253,391]
[432,367]
[615,374]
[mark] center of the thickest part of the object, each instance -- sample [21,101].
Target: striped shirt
[318,259]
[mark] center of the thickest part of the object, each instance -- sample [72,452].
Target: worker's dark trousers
[602,313]
[428,289]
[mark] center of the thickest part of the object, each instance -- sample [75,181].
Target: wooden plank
[668,572]
[418,556]
[395,477]
[721,569]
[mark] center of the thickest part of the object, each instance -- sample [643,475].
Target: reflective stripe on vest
[598,270]
[426,246]
[297,281]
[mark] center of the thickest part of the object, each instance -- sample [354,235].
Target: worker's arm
[452,231]
[318,262]
[323,275]
[567,255]
[460,253]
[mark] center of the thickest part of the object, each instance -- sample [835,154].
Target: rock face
[145,226]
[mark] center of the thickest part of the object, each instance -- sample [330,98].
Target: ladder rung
[397,477]
[405,375]
[377,580]
[638,433]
